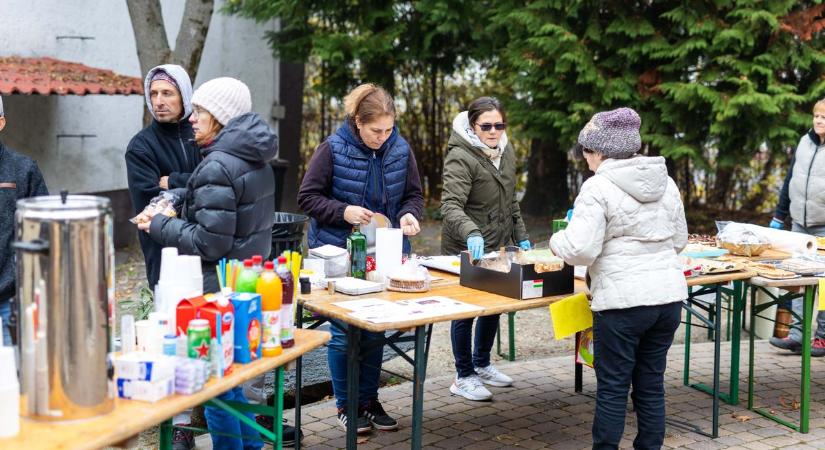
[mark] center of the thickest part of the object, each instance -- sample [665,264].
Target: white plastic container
[9,393]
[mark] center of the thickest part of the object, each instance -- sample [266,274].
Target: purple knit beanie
[163,76]
[614,134]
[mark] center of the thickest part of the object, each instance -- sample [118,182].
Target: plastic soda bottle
[247,279]
[357,248]
[287,314]
[257,264]
[270,289]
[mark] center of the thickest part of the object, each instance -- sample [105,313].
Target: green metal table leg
[498,340]
[353,362]
[805,406]
[419,375]
[717,350]
[751,349]
[805,385]
[277,422]
[166,435]
[737,304]
[686,371]
[511,334]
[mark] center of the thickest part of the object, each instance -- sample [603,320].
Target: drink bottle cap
[282,259]
[247,263]
[257,259]
[269,265]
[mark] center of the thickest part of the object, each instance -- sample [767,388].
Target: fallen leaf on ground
[362,440]
[742,417]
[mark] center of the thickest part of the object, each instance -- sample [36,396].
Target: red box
[199,308]
[187,310]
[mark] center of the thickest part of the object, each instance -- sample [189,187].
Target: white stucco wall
[47,128]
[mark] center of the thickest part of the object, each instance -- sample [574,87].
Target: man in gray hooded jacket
[162,155]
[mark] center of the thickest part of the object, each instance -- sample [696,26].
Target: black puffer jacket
[229,199]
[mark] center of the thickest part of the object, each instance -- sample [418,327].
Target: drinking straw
[220,279]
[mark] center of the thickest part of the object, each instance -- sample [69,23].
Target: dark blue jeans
[630,347]
[471,353]
[369,369]
[221,421]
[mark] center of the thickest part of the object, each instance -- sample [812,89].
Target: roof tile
[49,76]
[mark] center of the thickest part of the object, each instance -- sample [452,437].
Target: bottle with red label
[287,314]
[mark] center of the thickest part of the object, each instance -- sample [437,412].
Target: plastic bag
[161,204]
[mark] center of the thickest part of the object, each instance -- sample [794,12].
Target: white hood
[184,86]
[642,177]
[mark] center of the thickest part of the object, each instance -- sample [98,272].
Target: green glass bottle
[357,248]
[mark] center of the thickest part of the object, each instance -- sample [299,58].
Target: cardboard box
[210,311]
[142,366]
[200,308]
[521,282]
[147,391]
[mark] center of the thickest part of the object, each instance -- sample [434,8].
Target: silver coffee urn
[65,306]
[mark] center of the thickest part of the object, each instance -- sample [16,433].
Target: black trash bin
[288,233]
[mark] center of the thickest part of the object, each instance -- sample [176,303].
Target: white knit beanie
[225,98]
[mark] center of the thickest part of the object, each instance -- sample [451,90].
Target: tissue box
[142,366]
[521,282]
[147,391]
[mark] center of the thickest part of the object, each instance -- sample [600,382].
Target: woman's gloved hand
[525,245]
[475,244]
[776,224]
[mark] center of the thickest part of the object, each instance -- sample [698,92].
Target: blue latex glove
[475,244]
[525,245]
[569,214]
[776,225]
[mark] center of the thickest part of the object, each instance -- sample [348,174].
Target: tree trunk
[153,45]
[192,35]
[289,130]
[547,190]
[719,195]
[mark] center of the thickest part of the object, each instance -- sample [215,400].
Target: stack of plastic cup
[9,392]
[195,275]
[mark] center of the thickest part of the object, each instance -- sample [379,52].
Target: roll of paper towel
[388,246]
[786,241]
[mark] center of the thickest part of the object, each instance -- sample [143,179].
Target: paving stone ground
[542,410]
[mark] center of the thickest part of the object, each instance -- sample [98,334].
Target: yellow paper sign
[571,315]
[821,302]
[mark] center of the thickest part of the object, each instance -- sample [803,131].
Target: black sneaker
[378,417]
[288,435]
[786,344]
[183,439]
[362,426]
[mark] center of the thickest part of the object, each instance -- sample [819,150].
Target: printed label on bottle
[272,329]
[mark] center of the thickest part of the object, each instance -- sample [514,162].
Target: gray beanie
[225,98]
[614,134]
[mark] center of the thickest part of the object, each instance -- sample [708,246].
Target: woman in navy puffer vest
[364,168]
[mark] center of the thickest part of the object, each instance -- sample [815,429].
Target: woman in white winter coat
[628,227]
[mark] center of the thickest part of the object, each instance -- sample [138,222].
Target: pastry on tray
[772,272]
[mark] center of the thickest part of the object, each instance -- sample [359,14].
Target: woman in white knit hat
[228,207]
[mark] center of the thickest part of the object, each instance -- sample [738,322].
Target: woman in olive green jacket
[481,214]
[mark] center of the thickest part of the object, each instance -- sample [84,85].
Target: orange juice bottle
[269,287]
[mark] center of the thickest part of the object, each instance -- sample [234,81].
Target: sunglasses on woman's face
[489,126]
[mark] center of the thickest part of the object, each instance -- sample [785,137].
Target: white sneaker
[471,388]
[492,376]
